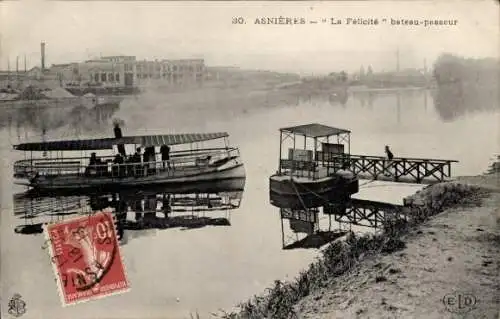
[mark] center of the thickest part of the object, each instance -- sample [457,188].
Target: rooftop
[315,130]
[108,143]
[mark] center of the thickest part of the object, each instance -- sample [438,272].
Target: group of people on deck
[137,165]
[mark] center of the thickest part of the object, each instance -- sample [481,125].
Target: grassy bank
[342,256]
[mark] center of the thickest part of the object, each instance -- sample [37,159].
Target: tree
[370,71]
[343,76]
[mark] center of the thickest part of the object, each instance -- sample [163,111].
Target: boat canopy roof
[315,130]
[108,143]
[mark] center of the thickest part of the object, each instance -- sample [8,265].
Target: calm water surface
[174,272]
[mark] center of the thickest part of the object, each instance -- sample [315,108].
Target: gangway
[399,169]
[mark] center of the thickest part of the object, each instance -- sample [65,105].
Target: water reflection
[138,211]
[334,97]
[43,119]
[312,228]
[453,100]
[302,226]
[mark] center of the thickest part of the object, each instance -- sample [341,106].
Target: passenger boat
[179,169]
[314,177]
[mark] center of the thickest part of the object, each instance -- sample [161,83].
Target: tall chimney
[42,47]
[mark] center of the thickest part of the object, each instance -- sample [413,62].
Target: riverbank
[406,271]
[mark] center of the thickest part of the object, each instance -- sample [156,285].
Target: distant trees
[449,68]
[343,76]
[369,73]
[465,84]
[365,75]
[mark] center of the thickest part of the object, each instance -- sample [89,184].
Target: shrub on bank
[340,256]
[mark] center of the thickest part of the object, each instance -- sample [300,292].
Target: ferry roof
[315,130]
[108,143]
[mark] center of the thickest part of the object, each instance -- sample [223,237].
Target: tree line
[465,85]
[450,68]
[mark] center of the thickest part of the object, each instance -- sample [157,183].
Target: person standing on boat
[165,155]
[137,160]
[148,158]
[118,134]
[118,168]
[145,160]
[93,159]
[151,158]
[92,164]
[390,157]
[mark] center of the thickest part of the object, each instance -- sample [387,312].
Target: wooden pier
[399,169]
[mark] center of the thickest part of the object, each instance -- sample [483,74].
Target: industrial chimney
[42,47]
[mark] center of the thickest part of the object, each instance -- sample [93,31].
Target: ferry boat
[183,169]
[313,177]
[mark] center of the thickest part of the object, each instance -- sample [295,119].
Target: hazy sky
[78,30]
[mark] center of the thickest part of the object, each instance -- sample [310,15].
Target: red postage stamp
[86,258]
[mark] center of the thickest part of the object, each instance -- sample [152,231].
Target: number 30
[238,20]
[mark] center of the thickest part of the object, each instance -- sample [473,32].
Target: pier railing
[179,162]
[399,169]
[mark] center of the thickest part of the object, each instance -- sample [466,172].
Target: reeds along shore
[341,256]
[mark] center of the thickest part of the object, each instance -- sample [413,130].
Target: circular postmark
[460,302]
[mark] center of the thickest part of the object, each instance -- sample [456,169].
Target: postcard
[249,159]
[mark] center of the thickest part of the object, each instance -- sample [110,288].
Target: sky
[78,30]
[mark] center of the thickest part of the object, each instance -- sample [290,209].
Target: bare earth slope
[455,251]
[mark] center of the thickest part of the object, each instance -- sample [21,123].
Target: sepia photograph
[249,159]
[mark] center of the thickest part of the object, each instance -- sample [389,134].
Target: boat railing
[299,168]
[324,164]
[79,165]
[332,161]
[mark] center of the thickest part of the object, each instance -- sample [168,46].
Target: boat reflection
[306,229]
[138,211]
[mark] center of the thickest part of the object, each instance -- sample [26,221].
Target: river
[174,273]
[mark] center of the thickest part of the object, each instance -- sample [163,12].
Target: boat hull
[189,182]
[297,194]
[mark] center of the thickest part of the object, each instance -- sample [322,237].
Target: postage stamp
[86,258]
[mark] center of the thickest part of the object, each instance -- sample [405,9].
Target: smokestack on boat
[42,52]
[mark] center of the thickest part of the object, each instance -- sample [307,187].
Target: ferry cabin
[312,170]
[317,150]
